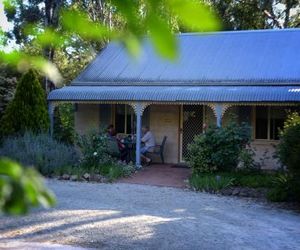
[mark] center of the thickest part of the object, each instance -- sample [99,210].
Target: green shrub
[288,151]
[94,149]
[40,151]
[280,191]
[246,160]
[64,123]
[28,109]
[210,183]
[97,156]
[218,149]
[254,180]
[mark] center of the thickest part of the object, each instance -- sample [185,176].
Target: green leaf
[50,38]
[194,15]
[163,39]
[10,168]
[22,189]
[80,24]
[132,45]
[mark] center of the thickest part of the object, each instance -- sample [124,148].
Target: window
[277,115]
[125,119]
[261,125]
[105,115]
[269,120]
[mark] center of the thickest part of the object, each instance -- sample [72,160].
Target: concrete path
[166,175]
[129,216]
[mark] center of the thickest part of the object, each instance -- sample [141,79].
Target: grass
[220,180]
[210,183]
[252,180]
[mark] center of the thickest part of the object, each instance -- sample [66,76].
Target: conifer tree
[28,109]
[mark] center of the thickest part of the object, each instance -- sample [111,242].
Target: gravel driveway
[128,216]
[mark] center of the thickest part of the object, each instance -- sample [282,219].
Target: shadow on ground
[128,216]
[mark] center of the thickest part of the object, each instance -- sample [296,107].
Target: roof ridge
[230,32]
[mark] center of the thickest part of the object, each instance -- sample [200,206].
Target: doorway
[191,125]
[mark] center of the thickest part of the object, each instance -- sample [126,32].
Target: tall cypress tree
[28,110]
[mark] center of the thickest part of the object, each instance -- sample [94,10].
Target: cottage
[249,76]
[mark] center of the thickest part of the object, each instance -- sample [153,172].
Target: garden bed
[254,185]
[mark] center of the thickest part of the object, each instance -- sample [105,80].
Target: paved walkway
[160,175]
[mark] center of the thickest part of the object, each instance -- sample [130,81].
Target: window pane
[278,116]
[261,123]
[105,115]
[244,114]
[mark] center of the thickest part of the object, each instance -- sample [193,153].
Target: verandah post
[219,110]
[139,112]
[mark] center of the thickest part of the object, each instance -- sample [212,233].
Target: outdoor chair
[159,150]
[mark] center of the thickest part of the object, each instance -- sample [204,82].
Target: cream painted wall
[86,118]
[264,154]
[164,121]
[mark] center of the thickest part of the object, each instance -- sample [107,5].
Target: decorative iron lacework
[225,106]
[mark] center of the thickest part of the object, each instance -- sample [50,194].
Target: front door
[191,125]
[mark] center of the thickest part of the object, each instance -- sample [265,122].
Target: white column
[219,111]
[139,113]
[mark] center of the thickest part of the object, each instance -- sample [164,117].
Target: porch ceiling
[177,93]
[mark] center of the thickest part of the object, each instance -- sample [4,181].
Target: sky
[6,26]
[3,20]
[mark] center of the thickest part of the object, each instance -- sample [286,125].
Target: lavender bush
[40,151]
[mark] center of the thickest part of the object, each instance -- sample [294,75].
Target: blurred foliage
[21,188]
[27,110]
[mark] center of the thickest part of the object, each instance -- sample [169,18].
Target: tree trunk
[52,8]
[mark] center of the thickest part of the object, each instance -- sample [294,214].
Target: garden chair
[159,150]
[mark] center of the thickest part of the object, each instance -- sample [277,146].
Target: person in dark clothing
[122,148]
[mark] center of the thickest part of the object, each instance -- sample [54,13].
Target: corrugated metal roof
[225,58]
[178,93]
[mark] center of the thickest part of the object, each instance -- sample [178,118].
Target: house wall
[86,118]
[264,154]
[164,121]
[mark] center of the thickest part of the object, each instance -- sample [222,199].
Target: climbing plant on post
[28,109]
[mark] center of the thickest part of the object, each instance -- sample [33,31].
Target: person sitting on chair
[112,134]
[149,144]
